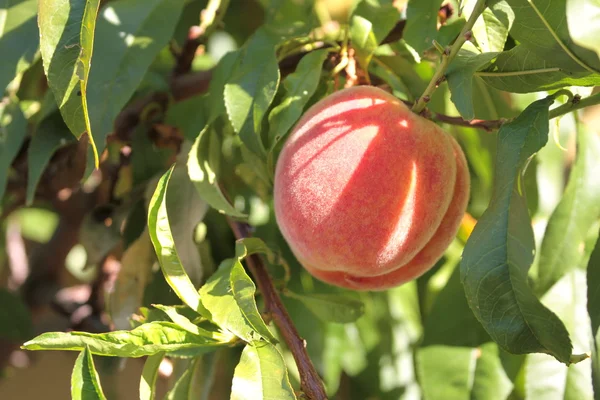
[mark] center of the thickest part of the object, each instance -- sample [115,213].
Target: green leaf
[229,296]
[460,79]
[13,129]
[159,227]
[370,25]
[540,26]
[221,74]
[500,250]
[201,164]
[85,382]
[252,245]
[569,225]
[145,340]
[19,37]
[450,321]
[331,307]
[149,375]
[261,374]
[299,87]
[543,375]
[251,89]
[383,17]
[185,387]
[462,373]
[66,43]
[178,315]
[188,115]
[491,29]
[521,70]
[583,19]
[50,135]
[421,23]
[15,319]
[129,35]
[186,210]
[593,309]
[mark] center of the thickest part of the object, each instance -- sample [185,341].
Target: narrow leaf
[563,247]
[85,382]
[500,250]
[251,89]
[164,245]
[593,309]
[149,375]
[145,340]
[232,309]
[66,43]
[15,318]
[202,172]
[261,374]
[331,307]
[186,387]
[19,37]
[178,315]
[129,35]
[13,129]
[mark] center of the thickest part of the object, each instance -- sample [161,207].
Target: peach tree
[169,195]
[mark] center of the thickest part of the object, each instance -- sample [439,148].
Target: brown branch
[486,125]
[310,381]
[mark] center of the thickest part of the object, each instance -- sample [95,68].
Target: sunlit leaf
[145,340]
[149,375]
[85,382]
[66,43]
[261,374]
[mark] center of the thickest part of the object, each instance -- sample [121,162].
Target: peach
[368,194]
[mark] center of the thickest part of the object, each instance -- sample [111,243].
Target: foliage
[143,134]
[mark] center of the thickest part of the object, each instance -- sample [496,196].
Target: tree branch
[310,381]
[448,56]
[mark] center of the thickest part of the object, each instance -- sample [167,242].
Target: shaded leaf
[203,157]
[164,244]
[460,79]
[13,129]
[421,23]
[261,374]
[145,340]
[500,250]
[19,38]
[251,89]
[15,319]
[66,43]
[186,387]
[149,375]
[540,26]
[331,307]
[593,309]
[129,35]
[51,134]
[85,382]
[186,210]
[569,225]
[521,70]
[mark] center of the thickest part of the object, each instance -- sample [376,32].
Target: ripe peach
[368,194]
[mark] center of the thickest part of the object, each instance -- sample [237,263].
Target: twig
[448,56]
[575,104]
[210,18]
[310,381]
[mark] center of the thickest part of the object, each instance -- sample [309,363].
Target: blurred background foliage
[65,245]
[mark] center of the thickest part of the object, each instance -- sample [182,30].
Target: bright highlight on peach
[368,194]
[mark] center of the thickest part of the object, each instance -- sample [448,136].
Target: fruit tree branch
[310,381]
[575,104]
[447,57]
